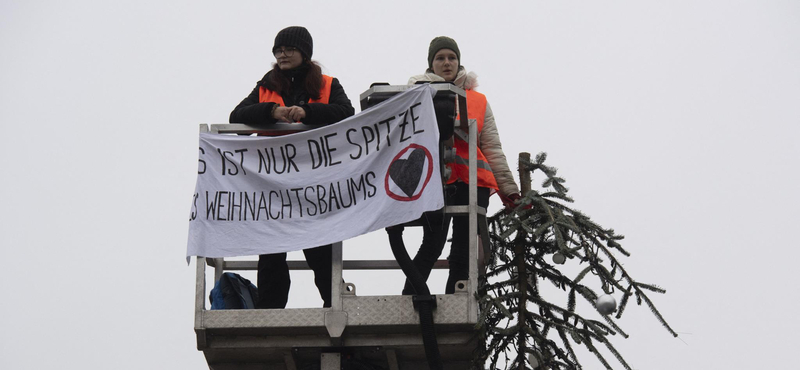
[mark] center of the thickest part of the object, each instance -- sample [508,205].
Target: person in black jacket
[295,90]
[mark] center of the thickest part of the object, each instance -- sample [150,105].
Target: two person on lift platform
[295,90]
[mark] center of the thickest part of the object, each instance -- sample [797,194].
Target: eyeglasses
[286,51]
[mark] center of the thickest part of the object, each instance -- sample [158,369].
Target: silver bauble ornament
[532,360]
[559,258]
[606,304]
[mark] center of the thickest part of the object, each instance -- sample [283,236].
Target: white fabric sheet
[258,195]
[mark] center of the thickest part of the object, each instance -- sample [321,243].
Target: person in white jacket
[494,175]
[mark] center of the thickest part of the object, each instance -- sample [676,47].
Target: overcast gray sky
[673,122]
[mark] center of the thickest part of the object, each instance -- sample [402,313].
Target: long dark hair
[279,82]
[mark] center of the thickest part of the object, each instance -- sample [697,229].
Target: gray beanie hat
[439,43]
[297,37]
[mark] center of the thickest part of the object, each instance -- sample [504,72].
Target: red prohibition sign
[424,184]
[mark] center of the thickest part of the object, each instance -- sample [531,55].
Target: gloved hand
[511,201]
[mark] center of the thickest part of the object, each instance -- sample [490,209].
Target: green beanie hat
[439,43]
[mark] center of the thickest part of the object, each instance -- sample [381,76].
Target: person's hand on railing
[296,114]
[281,114]
[288,114]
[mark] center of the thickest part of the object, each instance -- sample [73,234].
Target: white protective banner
[260,194]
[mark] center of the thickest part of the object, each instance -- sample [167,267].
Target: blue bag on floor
[232,291]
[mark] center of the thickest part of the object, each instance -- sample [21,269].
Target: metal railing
[274,335]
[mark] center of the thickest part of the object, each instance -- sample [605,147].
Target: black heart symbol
[406,172]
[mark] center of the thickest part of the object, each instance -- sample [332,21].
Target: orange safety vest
[269,96]
[476,109]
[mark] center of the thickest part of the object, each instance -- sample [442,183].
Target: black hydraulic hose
[425,310]
[404,260]
[424,302]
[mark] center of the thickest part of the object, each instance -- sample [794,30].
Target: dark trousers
[434,236]
[274,281]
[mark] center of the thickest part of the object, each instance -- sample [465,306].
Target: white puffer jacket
[488,138]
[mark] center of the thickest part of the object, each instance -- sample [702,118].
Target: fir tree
[516,320]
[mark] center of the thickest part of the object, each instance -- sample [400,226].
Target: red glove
[510,200]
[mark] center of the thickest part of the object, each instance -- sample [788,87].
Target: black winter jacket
[251,112]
